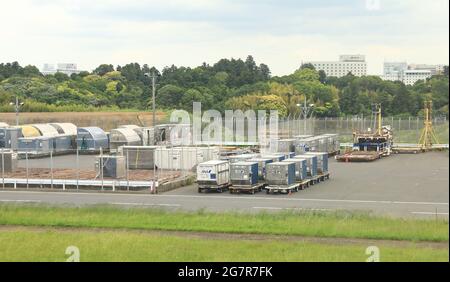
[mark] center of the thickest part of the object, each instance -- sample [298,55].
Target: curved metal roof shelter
[124,134]
[30,131]
[65,128]
[46,129]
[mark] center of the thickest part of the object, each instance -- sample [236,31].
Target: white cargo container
[213,175]
[184,158]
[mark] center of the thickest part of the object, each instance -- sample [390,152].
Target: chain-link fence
[406,130]
[148,169]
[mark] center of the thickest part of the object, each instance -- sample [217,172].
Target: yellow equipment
[428,137]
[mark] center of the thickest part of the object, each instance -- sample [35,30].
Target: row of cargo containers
[323,143]
[250,172]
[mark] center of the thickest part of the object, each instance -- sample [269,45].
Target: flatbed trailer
[246,188]
[359,156]
[324,176]
[272,189]
[304,184]
[314,180]
[213,188]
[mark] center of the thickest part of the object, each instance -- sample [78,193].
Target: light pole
[17,106]
[306,110]
[153,77]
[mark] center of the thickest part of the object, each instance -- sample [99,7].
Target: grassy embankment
[103,233]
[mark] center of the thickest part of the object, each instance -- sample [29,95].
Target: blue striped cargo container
[262,163]
[244,173]
[322,161]
[301,172]
[281,174]
[311,162]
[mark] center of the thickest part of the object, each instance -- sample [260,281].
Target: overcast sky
[280,33]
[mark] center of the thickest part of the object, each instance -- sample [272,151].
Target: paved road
[401,185]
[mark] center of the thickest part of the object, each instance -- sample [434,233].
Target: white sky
[279,33]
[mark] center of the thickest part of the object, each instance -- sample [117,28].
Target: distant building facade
[409,74]
[66,68]
[354,64]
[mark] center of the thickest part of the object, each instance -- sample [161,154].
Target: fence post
[101,164]
[26,164]
[78,168]
[3,168]
[51,170]
[128,167]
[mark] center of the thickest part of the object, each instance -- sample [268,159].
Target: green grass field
[314,224]
[50,245]
[106,233]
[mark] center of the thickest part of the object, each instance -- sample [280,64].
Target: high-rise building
[354,64]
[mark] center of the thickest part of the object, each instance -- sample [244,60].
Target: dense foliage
[228,84]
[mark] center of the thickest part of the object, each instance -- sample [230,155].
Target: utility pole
[17,111]
[153,77]
[16,108]
[306,111]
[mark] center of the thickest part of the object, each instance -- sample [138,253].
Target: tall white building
[66,68]
[354,64]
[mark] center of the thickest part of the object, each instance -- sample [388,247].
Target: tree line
[227,84]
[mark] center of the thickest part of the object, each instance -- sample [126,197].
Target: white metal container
[213,173]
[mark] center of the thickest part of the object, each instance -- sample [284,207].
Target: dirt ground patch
[104,120]
[133,175]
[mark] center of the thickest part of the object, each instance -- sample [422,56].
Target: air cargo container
[311,162]
[112,166]
[8,161]
[139,157]
[310,144]
[262,163]
[244,177]
[207,153]
[322,144]
[282,145]
[9,138]
[35,146]
[300,169]
[241,158]
[213,176]
[176,158]
[274,157]
[322,161]
[91,139]
[63,143]
[280,177]
[288,155]
[334,145]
